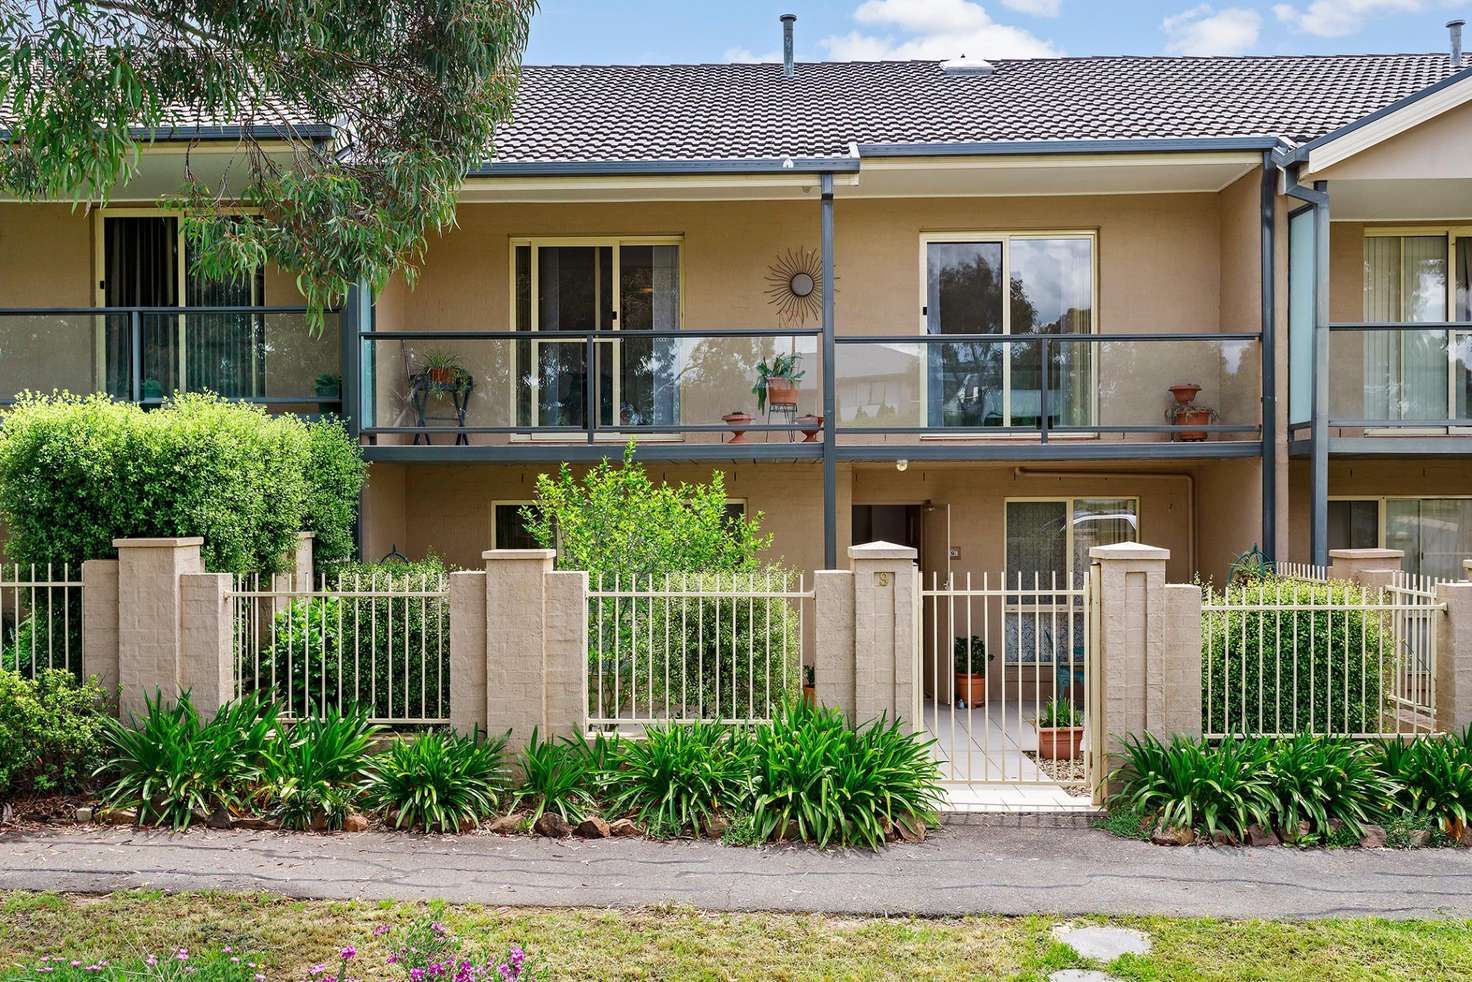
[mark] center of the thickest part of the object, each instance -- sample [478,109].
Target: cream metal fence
[1033,637]
[1302,571]
[379,642]
[40,619]
[1283,657]
[719,646]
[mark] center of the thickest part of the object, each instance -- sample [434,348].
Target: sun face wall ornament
[795,286]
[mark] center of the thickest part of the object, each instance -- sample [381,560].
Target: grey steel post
[1268,352]
[1043,401]
[353,323]
[135,355]
[830,466]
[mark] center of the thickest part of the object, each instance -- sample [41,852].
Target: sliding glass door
[1006,284]
[145,264]
[618,287]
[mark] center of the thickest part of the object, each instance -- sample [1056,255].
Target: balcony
[1400,379]
[512,390]
[264,355]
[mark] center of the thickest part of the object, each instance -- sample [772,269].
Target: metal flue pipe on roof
[1454,27]
[787,21]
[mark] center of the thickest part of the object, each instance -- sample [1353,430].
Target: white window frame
[615,242]
[1005,239]
[1452,234]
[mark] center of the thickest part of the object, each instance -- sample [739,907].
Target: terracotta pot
[1060,742]
[736,421]
[810,435]
[1185,391]
[971,689]
[781,392]
[442,376]
[1189,417]
[810,695]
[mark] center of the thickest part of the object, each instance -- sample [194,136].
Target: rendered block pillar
[206,663]
[1371,569]
[1181,663]
[1129,647]
[468,651]
[1454,657]
[100,623]
[833,660]
[516,633]
[149,616]
[303,571]
[565,650]
[886,629]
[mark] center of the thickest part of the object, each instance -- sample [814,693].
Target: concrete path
[956,871]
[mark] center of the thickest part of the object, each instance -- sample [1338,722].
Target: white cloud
[1038,8]
[1341,18]
[935,29]
[1204,31]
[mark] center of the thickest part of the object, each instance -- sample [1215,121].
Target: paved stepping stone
[1103,943]
[1081,975]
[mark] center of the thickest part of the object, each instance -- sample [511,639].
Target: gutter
[1186,476]
[701,166]
[995,148]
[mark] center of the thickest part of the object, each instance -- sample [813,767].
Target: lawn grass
[683,943]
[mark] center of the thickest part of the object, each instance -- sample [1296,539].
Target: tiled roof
[674,112]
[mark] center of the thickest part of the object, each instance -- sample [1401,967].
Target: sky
[653,31]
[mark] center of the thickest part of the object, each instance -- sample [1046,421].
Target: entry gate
[998,657]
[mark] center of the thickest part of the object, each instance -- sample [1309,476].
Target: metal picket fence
[1284,656]
[379,642]
[677,647]
[1302,571]
[40,618]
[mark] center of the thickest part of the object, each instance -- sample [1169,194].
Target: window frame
[1005,239]
[1070,503]
[615,242]
[1383,510]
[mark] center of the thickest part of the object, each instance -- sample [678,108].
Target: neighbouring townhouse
[1005,311]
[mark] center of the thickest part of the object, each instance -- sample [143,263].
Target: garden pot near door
[810,695]
[1060,742]
[971,689]
[781,392]
[736,421]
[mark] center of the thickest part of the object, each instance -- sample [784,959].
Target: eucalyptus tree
[357,120]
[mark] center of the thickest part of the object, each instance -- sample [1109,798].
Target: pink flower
[348,951]
[379,930]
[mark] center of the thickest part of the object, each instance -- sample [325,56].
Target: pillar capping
[519,554]
[159,542]
[882,550]
[1467,568]
[1366,554]
[299,536]
[1129,550]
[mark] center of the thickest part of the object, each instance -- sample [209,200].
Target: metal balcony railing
[1400,376]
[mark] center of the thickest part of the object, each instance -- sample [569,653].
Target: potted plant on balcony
[1060,731]
[776,381]
[329,386]
[809,686]
[970,657]
[1184,412]
[737,419]
[445,374]
[811,427]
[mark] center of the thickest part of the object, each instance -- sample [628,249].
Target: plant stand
[784,412]
[420,391]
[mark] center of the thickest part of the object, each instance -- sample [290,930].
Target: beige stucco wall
[1374,477]
[1437,149]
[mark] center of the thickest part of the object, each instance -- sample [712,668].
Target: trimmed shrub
[335,473]
[316,645]
[1289,671]
[76,473]
[51,732]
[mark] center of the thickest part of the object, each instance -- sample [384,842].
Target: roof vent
[963,66]
[787,21]
[1454,27]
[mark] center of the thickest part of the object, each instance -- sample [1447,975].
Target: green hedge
[1288,671]
[76,473]
[51,732]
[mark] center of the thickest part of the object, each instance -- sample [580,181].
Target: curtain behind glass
[1405,371]
[1434,533]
